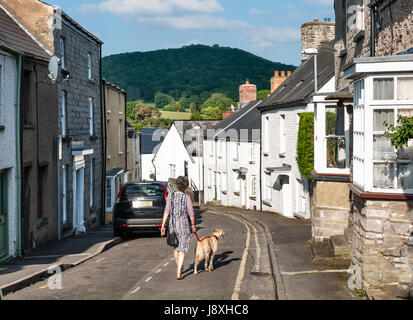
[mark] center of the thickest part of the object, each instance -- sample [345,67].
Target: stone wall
[379,247]
[330,205]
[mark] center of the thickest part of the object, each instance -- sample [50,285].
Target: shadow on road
[220,260]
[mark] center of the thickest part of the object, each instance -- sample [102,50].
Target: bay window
[380,97]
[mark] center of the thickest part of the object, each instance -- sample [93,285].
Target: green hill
[191,70]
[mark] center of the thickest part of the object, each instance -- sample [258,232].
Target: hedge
[305,144]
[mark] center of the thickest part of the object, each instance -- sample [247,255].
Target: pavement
[43,262]
[301,271]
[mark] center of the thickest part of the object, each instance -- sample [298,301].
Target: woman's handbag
[171,237]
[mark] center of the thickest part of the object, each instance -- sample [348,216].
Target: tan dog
[207,247]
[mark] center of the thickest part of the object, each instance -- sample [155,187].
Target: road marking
[158,271]
[43,287]
[100,260]
[148,279]
[241,271]
[56,256]
[166,264]
[136,290]
[312,271]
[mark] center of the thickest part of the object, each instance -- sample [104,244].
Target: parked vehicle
[139,207]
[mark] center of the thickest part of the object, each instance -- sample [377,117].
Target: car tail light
[123,225]
[164,189]
[119,194]
[159,224]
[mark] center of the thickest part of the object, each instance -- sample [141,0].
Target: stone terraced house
[232,159]
[374,71]
[79,147]
[284,189]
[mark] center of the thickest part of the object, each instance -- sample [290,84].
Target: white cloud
[195,22]
[153,7]
[322,2]
[266,37]
[257,11]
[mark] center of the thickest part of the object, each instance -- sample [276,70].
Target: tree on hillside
[263,94]
[196,116]
[218,100]
[144,114]
[212,113]
[163,99]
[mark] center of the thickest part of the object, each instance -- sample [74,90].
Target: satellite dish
[53,68]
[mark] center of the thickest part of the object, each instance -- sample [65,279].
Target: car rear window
[146,190]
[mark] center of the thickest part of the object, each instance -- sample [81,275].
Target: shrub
[305,144]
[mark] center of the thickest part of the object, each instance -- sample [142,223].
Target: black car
[139,207]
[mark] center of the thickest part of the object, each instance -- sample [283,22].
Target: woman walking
[179,208]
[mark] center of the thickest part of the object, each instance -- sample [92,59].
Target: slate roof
[299,87]
[247,118]
[189,135]
[151,139]
[14,37]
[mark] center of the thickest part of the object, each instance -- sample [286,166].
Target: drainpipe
[19,152]
[261,165]
[104,140]
[126,137]
[372,31]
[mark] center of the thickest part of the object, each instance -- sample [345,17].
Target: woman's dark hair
[182,183]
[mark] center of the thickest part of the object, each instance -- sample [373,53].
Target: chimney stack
[247,93]
[278,79]
[315,33]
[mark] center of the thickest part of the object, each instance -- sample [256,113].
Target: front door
[286,195]
[243,192]
[4,237]
[78,203]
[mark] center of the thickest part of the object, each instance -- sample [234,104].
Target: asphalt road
[142,268]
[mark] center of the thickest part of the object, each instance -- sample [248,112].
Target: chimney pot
[276,74]
[247,82]
[282,74]
[315,20]
[288,73]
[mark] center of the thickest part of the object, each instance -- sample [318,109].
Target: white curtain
[380,116]
[383,89]
[383,175]
[405,176]
[405,89]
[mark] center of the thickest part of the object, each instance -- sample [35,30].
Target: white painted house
[9,202]
[181,153]
[150,141]
[284,189]
[232,160]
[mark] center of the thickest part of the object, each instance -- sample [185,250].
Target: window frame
[283,135]
[89,66]
[369,106]
[91,116]
[62,44]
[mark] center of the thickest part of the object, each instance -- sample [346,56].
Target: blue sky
[267,28]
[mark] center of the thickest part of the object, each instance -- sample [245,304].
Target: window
[224,181]
[383,89]
[109,193]
[62,53]
[64,197]
[3,193]
[253,186]
[392,169]
[266,135]
[172,171]
[252,152]
[89,66]
[405,88]
[268,187]
[282,134]
[92,167]
[91,120]
[63,115]
[120,137]
[335,137]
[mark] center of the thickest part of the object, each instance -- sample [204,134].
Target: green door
[4,239]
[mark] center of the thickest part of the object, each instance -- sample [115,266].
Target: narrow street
[142,268]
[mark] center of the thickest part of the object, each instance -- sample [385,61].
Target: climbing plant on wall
[305,144]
